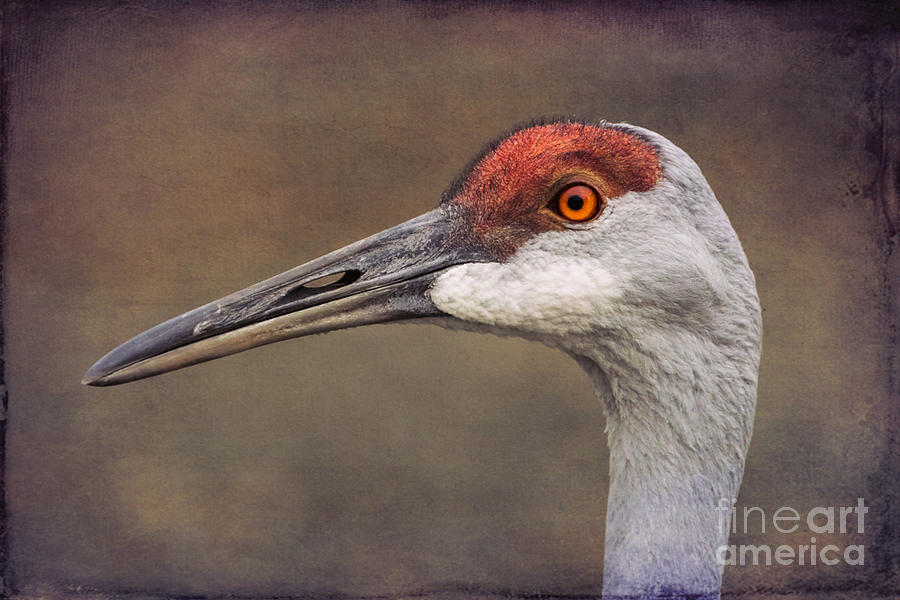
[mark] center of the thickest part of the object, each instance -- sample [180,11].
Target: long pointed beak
[384,277]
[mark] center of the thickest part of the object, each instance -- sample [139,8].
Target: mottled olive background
[159,156]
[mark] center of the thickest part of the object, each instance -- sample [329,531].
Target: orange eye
[579,203]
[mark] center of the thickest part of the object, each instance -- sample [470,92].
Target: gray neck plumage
[679,417]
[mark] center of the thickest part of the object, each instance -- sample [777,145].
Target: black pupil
[575,202]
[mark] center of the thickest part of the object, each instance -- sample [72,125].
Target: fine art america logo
[821,520]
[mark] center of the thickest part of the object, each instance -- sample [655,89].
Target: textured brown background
[160,156]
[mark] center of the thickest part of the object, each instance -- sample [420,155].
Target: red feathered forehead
[624,162]
[506,193]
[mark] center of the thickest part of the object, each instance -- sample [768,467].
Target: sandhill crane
[602,240]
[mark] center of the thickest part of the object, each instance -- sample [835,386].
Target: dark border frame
[876,36]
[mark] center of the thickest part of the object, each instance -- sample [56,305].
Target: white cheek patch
[535,292]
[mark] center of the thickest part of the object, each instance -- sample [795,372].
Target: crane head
[556,231]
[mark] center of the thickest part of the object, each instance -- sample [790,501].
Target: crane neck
[679,417]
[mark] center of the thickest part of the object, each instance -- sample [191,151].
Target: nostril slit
[332,281]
